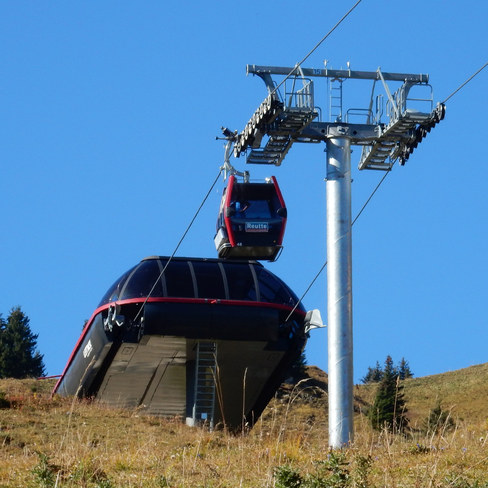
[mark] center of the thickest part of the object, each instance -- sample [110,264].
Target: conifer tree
[298,368]
[18,355]
[373,375]
[438,420]
[389,408]
[404,370]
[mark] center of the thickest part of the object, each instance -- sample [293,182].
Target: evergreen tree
[374,375]
[389,409]
[438,420]
[18,355]
[297,369]
[404,370]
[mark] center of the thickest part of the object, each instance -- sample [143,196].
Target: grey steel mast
[285,118]
[339,290]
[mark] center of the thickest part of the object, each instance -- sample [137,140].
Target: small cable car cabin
[251,221]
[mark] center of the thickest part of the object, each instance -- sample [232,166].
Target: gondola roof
[201,278]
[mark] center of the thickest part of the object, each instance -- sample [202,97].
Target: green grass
[57,442]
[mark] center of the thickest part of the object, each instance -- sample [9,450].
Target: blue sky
[108,117]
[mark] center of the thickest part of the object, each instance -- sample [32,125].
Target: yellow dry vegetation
[60,442]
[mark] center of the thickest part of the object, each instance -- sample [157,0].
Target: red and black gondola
[142,348]
[251,221]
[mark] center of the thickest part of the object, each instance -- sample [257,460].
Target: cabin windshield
[255,201]
[254,209]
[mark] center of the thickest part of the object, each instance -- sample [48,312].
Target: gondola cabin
[205,340]
[251,221]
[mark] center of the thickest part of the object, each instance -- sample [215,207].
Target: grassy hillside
[55,442]
[464,392]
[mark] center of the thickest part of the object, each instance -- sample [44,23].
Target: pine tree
[438,420]
[389,409]
[373,375]
[18,355]
[298,368]
[404,370]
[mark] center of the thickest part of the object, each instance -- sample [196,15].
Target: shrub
[287,477]
[4,402]
[438,420]
[44,472]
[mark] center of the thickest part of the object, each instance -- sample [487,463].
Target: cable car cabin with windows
[203,339]
[251,221]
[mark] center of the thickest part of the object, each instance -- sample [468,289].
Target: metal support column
[339,291]
[383,142]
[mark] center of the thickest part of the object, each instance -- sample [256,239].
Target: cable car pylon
[390,132]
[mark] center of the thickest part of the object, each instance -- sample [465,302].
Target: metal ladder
[205,376]
[335,100]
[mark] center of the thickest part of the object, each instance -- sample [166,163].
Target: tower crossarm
[265,72]
[288,115]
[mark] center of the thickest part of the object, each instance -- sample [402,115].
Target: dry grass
[58,442]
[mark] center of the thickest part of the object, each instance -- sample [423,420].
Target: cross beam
[336,73]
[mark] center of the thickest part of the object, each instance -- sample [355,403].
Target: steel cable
[325,264]
[339,22]
[466,82]
[179,244]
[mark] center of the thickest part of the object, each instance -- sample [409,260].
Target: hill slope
[63,443]
[464,392]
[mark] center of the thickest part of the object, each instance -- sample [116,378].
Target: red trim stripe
[282,203]
[189,301]
[228,201]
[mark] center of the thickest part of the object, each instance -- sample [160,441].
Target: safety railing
[405,100]
[303,98]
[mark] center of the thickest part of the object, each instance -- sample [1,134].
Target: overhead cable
[371,196]
[325,264]
[179,244]
[466,82]
[297,66]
